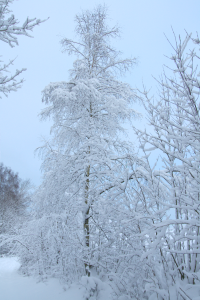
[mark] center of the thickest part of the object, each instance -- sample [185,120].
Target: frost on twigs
[9,83]
[9,32]
[9,28]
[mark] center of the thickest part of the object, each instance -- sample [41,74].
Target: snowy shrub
[172,244]
[94,288]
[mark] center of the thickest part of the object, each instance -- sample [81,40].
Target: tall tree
[86,158]
[9,32]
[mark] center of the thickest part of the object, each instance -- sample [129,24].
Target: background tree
[14,201]
[9,32]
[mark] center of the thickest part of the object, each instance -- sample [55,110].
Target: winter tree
[86,157]
[14,200]
[86,163]
[9,32]
[172,247]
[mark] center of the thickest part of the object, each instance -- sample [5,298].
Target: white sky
[143,24]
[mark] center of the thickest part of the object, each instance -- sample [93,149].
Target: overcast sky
[143,24]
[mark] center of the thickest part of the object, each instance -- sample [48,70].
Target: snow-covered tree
[86,157]
[14,200]
[173,235]
[9,32]
[86,163]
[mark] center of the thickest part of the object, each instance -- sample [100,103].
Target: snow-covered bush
[173,235]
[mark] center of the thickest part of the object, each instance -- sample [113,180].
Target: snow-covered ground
[16,287]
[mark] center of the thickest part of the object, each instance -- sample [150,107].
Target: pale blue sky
[143,24]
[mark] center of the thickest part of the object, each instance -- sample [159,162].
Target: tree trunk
[86,220]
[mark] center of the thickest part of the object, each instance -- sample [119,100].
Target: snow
[14,286]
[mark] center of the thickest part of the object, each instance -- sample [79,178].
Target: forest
[109,212]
